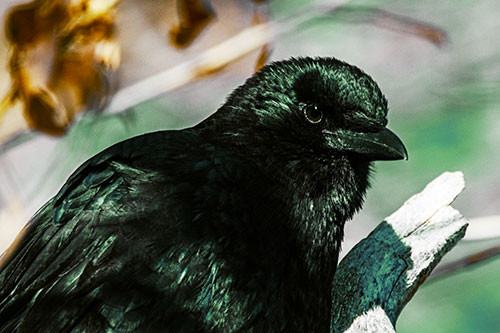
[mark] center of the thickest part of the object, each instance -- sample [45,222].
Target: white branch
[382,272]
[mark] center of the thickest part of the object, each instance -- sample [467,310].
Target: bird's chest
[263,290]
[246,265]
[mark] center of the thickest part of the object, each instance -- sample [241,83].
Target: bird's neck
[316,216]
[319,202]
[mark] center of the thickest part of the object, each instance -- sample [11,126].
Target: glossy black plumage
[234,224]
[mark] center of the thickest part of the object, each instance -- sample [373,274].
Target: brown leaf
[194,16]
[44,112]
[26,24]
[263,57]
[392,21]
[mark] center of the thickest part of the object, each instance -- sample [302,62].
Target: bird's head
[316,122]
[312,127]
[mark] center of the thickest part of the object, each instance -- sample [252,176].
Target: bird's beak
[383,145]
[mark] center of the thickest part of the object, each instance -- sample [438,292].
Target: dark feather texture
[232,225]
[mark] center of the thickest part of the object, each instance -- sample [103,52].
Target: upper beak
[383,145]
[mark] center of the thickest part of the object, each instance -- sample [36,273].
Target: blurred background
[80,75]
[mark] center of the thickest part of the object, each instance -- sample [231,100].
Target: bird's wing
[76,250]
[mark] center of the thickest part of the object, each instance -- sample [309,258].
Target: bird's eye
[313,113]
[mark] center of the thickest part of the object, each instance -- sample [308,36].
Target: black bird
[234,224]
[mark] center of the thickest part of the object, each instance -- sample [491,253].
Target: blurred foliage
[61,51]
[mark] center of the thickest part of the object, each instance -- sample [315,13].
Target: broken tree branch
[382,272]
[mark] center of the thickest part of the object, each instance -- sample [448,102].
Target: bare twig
[393,21]
[471,260]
